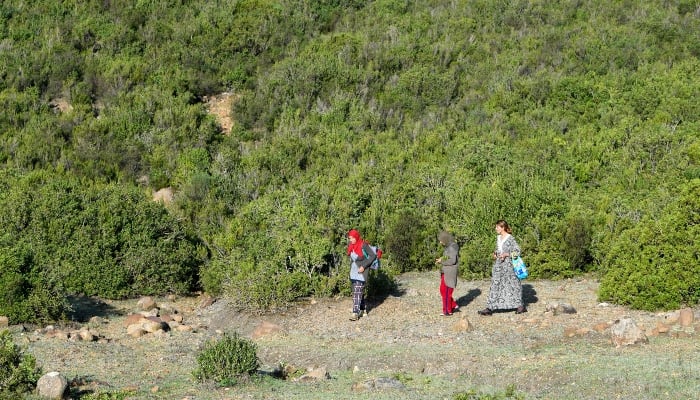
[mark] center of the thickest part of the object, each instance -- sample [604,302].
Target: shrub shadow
[82,387]
[381,286]
[82,308]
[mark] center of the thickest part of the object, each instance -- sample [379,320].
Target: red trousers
[448,303]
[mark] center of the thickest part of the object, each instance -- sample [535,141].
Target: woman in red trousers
[448,274]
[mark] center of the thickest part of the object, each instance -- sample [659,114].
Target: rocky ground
[562,348]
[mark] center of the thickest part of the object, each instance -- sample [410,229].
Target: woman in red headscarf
[361,256]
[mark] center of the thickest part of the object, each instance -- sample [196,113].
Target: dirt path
[404,341]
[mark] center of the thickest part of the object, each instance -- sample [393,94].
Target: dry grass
[403,338]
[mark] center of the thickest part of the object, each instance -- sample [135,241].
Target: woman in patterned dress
[506,292]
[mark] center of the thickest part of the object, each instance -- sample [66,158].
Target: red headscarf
[357,246]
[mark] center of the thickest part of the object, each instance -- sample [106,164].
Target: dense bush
[575,121]
[18,370]
[656,265]
[105,240]
[226,360]
[24,296]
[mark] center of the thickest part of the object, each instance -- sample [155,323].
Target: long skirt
[506,291]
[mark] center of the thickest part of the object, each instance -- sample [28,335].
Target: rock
[662,328]
[184,328]
[146,303]
[672,317]
[560,308]
[135,330]
[132,319]
[601,327]
[315,374]
[87,336]
[166,318]
[4,321]
[564,308]
[205,301]
[625,332]
[266,328]
[60,335]
[51,386]
[154,326]
[378,384]
[388,383]
[168,308]
[686,317]
[462,325]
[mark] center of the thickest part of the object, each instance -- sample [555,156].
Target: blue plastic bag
[519,268]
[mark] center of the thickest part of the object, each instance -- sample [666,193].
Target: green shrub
[268,288]
[18,371]
[24,298]
[115,395]
[654,265]
[227,360]
[472,394]
[104,240]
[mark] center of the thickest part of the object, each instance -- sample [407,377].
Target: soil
[402,349]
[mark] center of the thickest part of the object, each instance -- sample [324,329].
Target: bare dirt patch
[404,338]
[220,106]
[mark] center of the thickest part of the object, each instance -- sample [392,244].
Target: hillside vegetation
[577,121]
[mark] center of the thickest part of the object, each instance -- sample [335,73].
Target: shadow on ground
[381,286]
[529,294]
[469,297]
[82,308]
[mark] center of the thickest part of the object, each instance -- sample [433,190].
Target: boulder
[625,332]
[146,303]
[51,386]
[686,317]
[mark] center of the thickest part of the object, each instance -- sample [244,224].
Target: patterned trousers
[358,296]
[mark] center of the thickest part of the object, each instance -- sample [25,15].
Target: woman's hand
[361,269]
[438,260]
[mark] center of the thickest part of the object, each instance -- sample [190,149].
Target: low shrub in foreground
[508,394]
[18,371]
[226,360]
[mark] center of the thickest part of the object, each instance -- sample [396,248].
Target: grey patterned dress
[506,291]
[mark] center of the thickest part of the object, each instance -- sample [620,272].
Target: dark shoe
[485,311]
[521,310]
[456,309]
